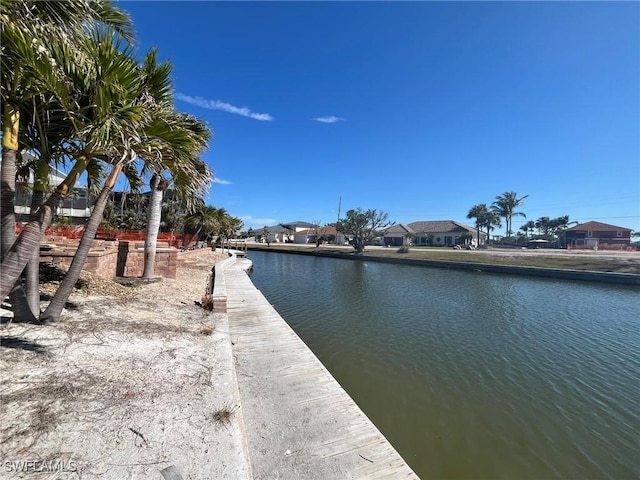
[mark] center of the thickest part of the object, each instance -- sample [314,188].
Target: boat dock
[298,421]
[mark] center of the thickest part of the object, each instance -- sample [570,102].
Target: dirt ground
[130,381]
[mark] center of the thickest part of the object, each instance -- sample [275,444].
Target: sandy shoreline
[123,387]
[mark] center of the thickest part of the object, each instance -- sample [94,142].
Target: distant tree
[505,205]
[171,217]
[229,227]
[362,226]
[479,212]
[265,235]
[491,222]
[205,220]
[409,238]
[558,226]
[528,227]
[321,233]
[543,225]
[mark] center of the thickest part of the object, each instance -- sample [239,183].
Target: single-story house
[594,234]
[438,233]
[397,235]
[283,232]
[309,235]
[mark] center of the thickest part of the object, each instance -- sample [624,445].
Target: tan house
[437,233]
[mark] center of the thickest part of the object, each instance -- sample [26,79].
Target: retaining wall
[113,258]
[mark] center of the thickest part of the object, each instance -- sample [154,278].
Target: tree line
[74,95]
[505,207]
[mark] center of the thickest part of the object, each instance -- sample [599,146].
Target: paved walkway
[299,422]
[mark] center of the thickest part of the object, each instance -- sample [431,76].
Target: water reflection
[473,375]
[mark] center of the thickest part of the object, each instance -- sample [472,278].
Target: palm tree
[543,224]
[559,225]
[479,212]
[205,220]
[505,205]
[158,185]
[128,134]
[153,94]
[180,140]
[491,222]
[528,227]
[39,49]
[230,227]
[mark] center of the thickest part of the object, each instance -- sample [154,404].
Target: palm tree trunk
[54,309]
[153,226]
[22,249]
[18,254]
[32,270]
[19,303]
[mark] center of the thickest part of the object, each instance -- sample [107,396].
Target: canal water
[473,375]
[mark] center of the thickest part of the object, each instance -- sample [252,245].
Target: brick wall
[113,258]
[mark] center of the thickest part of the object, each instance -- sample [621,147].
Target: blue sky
[417,109]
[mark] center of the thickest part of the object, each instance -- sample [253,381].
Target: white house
[77,206]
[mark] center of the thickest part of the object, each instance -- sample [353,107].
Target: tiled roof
[597,226]
[274,229]
[441,226]
[399,228]
[327,230]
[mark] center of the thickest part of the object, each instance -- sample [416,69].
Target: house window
[619,233]
[589,234]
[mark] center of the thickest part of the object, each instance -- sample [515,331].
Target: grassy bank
[615,262]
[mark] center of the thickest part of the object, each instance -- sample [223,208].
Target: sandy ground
[123,387]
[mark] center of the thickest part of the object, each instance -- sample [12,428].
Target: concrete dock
[299,423]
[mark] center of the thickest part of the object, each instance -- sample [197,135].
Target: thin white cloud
[220,181]
[256,223]
[331,119]
[225,107]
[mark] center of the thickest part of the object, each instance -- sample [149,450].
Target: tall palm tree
[505,205]
[35,37]
[181,139]
[96,103]
[479,212]
[152,92]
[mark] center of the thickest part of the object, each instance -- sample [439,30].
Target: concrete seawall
[297,420]
[563,274]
